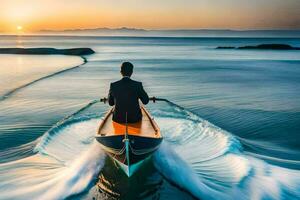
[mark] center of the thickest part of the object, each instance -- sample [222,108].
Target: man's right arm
[143,95]
[111,100]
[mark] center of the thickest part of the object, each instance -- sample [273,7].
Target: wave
[210,163]
[198,157]
[66,161]
[13,91]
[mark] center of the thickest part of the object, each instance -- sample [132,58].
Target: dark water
[252,151]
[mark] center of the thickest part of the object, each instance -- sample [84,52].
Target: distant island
[263,47]
[48,51]
[126,31]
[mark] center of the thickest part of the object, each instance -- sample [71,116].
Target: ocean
[232,131]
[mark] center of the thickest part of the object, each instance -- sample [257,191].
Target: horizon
[168,29]
[20,16]
[139,32]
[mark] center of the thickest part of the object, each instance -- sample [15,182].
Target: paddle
[154,99]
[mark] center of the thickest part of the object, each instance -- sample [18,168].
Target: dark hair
[126,68]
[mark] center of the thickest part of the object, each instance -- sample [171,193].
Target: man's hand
[104,100]
[152,99]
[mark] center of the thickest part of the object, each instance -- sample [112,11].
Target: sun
[19,28]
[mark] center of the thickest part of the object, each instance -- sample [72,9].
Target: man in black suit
[125,94]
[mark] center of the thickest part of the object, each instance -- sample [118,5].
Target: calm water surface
[237,136]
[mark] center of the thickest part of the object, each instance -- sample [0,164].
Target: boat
[129,144]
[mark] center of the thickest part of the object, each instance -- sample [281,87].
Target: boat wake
[66,162]
[197,156]
[209,162]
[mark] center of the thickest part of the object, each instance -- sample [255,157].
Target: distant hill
[98,31]
[263,47]
[125,31]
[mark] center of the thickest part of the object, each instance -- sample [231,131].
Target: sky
[34,15]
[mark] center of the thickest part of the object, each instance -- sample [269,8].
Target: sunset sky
[33,15]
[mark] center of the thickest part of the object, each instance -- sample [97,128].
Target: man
[125,94]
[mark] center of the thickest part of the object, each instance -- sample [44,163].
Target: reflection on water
[18,70]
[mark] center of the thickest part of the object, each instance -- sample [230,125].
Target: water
[237,136]
[19,70]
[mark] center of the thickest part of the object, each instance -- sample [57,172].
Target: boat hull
[132,168]
[130,154]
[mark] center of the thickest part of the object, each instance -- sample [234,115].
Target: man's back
[125,95]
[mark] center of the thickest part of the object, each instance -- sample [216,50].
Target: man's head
[126,69]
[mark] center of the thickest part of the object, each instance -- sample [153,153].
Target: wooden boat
[129,144]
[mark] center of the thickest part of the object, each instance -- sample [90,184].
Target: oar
[154,99]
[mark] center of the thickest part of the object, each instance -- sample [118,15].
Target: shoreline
[6,95]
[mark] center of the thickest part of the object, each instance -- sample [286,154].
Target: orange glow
[57,15]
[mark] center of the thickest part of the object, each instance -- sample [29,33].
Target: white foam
[66,163]
[203,159]
[209,163]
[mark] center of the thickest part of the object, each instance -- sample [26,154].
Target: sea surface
[232,130]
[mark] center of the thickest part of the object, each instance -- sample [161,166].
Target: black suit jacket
[124,95]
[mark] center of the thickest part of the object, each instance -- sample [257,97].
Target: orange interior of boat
[145,128]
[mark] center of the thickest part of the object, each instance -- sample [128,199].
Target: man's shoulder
[136,82]
[115,83]
[120,82]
